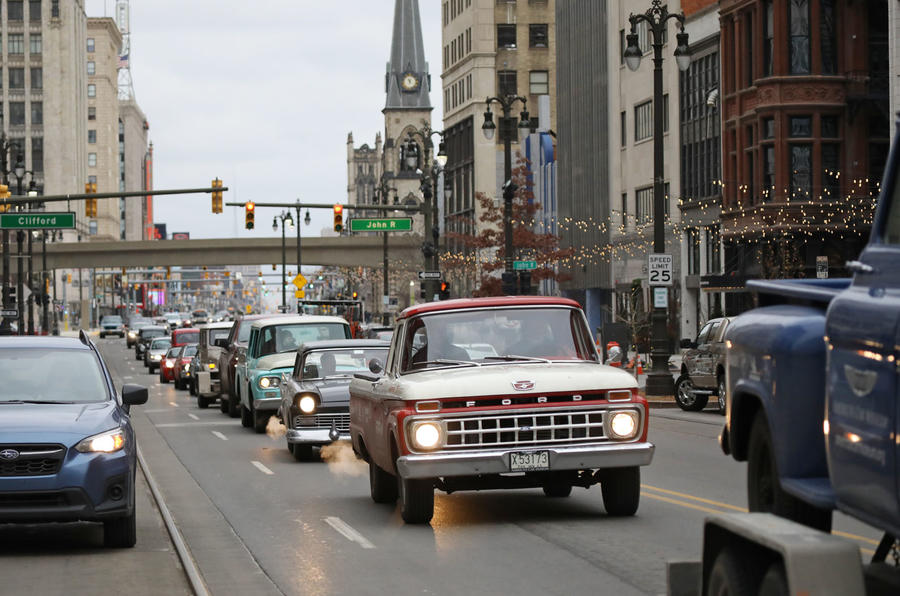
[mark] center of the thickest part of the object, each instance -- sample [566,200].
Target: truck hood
[498,379]
[56,423]
[273,361]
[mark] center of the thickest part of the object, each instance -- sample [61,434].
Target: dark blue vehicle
[67,447]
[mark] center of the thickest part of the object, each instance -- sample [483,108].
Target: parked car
[112,325]
[271,350]
[67,448]
[315,397]
[185,336]
[145,335]
[233,351]
[703,368]
[155,352]
[544,412]
[205,377]
[183,376]
[134,327]
[167,365]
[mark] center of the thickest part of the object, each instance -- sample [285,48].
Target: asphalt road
[258,522]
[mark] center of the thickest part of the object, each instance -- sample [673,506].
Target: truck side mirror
[221,342]
[375,366]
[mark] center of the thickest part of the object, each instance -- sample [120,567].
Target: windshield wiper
[441,361]
[513,357]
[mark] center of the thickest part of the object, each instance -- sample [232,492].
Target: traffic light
[422,290]
[217,196]
[4,194]
[338,218]
[444,293]
[355,295]
[249,214]
[90,205]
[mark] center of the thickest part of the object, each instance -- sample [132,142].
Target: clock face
[409,82]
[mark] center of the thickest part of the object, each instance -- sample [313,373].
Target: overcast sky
[261,94]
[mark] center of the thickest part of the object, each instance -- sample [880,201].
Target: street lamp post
[659,380]
[430,170]
[306,221]
[507,125]
[285,216]
[382,192]
[19,172]
[5,148]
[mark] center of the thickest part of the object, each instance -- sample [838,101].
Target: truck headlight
[213,366]
[426,435]
[269,382]
[108,442]
[307,404]
[623,425]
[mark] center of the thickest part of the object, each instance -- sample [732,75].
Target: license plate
[529,461]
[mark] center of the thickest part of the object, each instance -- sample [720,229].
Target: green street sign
[37,221]
[389,224]
[523,265]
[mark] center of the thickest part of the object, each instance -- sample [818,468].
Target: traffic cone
[640,367]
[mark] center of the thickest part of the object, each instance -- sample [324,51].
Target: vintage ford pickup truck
[497,393]
[813,406]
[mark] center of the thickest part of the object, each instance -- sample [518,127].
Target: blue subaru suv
[67,448]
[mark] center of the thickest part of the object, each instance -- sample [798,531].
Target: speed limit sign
[659,267]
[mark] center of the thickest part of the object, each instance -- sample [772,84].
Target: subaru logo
[523,385]
[9,454]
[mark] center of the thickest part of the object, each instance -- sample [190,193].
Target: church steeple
[407,81]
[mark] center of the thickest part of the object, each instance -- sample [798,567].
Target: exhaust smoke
[275,429]
[342,461]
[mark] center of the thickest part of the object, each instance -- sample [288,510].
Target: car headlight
[156,356]
[132,334]
[623,425]
[213,366]
[307,404]
[268,382]
[170,364]
[107,442]
[426,435]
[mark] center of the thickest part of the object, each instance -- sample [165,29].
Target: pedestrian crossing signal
[445,291]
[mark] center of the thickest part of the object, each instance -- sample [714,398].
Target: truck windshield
[287,338]
[42,375]
[215,334]
[496,336]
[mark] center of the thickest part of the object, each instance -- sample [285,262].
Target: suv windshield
[287,338]
[61,375]
[495,336]
[111,320]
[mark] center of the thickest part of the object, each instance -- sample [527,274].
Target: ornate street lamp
[430,171]
[659,381]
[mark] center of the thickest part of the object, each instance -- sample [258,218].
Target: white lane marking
[194,416]
[192,424]
[220,435]
[262,468]
[156,411]
[347,531]
[173,404]
[127,378]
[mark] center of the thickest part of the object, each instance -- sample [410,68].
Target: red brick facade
[691,7]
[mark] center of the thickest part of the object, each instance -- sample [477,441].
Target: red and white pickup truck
[497,393]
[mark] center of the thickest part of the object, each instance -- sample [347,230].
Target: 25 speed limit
[660,268]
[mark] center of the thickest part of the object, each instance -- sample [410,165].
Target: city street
[258,522]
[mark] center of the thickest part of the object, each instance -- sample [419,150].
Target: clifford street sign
[524,265]
[37,221]
[387,224]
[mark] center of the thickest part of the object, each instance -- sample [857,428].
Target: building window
[644,208]
[15,10]
[37,154]
[768,191]
[623,129]
[92,227]
[799,36]
[700,128]
[768,39]
[16,78]
[15,43]
[37,78]
[91,68]
[801,126]
[17,113]
[624,208]
[508,84]
[537,35]
[54,9]
[37,113]
[90,44]
[539,82]
[768,128]
[643,121]
[713,261]
[92,90]
[92,136]
[831,171]
[801,171]
[693,251]
[35,44]
[829,127]
[506,36]
[92,160]
[34,10]
[92,113]
[827,37]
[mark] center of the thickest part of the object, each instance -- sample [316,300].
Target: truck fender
[745,403]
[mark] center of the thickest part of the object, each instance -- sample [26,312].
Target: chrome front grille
[32,460]
[524,429]
[341,421]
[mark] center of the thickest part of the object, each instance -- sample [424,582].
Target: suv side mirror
[134,395]
[688,344]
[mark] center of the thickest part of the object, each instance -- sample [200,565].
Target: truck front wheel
[382,486]
[729,576]
[416,499]
[621,488]
[685,397]
[764,492]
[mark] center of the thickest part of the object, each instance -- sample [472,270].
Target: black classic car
[315,398]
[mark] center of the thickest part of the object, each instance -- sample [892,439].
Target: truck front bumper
[266,404]
[496,461]
[315,436]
